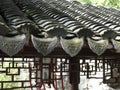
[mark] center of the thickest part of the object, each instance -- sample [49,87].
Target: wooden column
[74,73]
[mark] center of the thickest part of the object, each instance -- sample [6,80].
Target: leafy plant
[108,3]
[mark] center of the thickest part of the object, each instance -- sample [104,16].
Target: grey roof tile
[58,21]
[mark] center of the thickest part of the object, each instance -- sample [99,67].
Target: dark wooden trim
[74,73]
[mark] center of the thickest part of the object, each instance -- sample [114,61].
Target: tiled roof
[58,23]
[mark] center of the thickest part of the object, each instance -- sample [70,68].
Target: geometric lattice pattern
[30,73]
[15,73]
[112,71]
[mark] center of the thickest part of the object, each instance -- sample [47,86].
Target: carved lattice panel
[27,73]
[61,75]
[90,67]
[112,71]
[15,73]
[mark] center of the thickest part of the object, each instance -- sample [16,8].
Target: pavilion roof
[58,23]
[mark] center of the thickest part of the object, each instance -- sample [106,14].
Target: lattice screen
[33,73]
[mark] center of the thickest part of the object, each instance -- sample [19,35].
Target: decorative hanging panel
[98,46]
[44,45]
[12,45]
[72,46]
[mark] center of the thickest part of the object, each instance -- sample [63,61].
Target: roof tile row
[57,21]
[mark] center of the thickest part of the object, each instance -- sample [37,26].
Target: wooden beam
[74,73]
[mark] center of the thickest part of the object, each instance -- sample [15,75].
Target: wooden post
[74,73]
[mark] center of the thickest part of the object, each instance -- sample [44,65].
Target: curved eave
[30,51]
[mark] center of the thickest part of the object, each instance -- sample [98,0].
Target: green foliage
[108,3]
